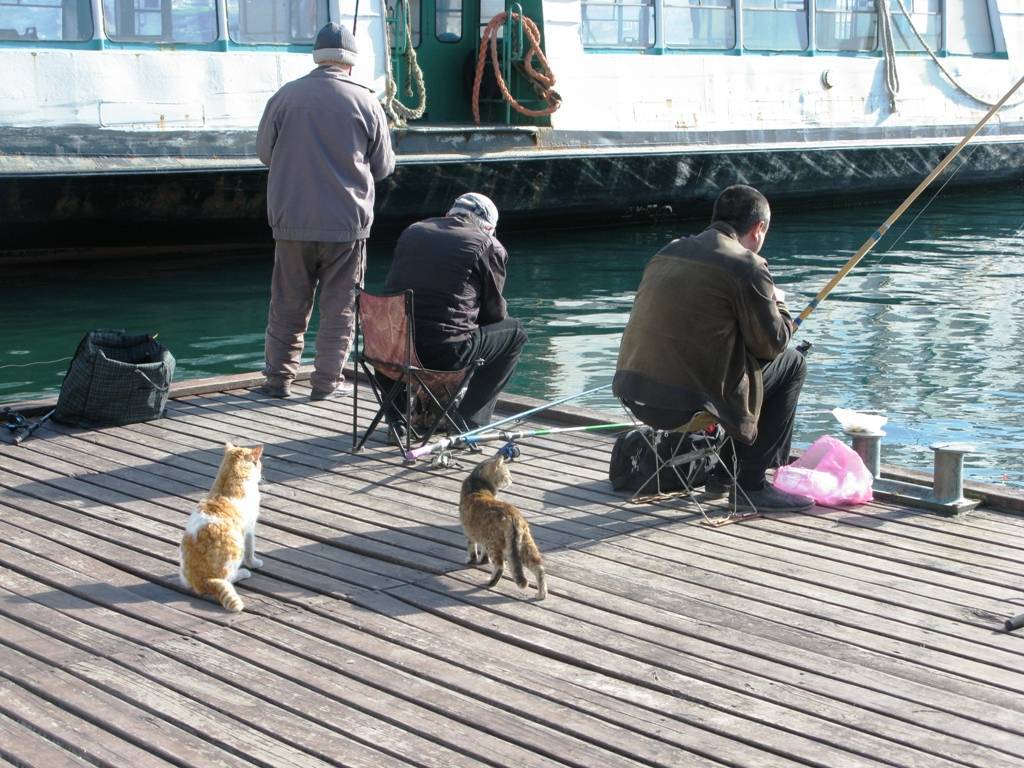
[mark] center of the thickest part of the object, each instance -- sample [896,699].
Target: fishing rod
[878,233]
[466,437]
[511,437]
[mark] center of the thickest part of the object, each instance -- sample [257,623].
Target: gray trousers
[299,267]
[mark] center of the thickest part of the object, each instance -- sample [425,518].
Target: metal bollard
[868,445]
[948,480]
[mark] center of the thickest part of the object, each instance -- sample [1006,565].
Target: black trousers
[499,345]
[783,379]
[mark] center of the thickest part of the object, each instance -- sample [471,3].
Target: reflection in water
[930,331]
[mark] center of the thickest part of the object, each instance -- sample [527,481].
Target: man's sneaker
[275,390]
[342,390]
[715,487]
[768,500]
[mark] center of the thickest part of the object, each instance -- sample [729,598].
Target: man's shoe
[715,487]
[769,500]
[342,390]
[275,390]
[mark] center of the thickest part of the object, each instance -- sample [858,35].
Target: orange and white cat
[220,537]
[495,530]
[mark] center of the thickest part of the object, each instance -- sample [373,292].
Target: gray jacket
[326,140]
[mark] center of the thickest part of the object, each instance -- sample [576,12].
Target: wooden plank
[816,694]
[303,694]
[995,639]
[713,708]
[189,696]
[56,723]
[22,746]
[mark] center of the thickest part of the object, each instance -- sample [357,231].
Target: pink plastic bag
[830,472]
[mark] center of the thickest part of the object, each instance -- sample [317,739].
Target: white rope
[395,109]
[938,63]
[892,78]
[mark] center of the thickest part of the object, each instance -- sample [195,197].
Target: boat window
[448,21]
[700,24]
[775,25]
[160,21]
[845,25]
[926,16]
[413,9]
[45,20]
[968,28]
[488,10]
[275,22]
[617,24]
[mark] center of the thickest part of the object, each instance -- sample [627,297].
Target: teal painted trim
[78,45]
[760,52]
[216,45]
[232,45]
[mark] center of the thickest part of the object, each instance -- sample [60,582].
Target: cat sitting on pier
[220,536]
[495,529]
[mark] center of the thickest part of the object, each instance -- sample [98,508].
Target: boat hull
[92,201]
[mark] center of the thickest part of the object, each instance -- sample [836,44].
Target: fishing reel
[444,460]
[509,451]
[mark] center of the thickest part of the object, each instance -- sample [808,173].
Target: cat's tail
[224,591]
[530,555]
[518,535]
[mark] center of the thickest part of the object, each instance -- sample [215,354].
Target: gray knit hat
[334,43]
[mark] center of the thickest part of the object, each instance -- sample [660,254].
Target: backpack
[632,463]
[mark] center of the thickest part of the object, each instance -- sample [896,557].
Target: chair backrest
[386,324]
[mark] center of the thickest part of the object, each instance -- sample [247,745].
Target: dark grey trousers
[299,269]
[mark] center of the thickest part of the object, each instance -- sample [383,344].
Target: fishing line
[873,268]
[38,362]
[879,233]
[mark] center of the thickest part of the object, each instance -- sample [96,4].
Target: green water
[929,329]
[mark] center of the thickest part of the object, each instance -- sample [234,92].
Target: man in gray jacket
[326,140]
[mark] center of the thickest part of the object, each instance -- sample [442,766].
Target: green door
[446,40]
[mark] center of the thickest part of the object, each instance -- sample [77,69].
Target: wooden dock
[843,637]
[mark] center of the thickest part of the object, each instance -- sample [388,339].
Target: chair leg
[385,404]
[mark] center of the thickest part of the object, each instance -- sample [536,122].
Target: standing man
[326,141]
[456,268]
[709,331]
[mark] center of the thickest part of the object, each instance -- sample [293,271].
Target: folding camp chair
[677,453]
[385,324]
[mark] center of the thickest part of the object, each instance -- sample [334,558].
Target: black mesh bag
[632,465]
[115,378]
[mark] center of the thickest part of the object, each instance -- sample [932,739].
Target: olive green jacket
[704,321]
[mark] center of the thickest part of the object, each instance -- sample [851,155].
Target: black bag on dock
[632,465]
[115,378]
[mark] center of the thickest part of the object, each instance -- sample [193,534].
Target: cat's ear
[257,452]
[229,446]
[499,459]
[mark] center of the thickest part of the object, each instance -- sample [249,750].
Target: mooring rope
[892,78]
[938,63]
[395,109]
[542,81]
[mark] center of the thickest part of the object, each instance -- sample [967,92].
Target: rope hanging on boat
[542,81]
[942,69]
[395,109]
[892,78]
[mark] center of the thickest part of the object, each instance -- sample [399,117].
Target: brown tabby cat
[220,536]
[496,527]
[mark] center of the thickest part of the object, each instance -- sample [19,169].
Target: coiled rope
[890,54]
[395,109]
[541,81]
